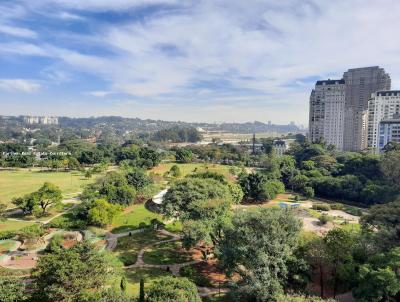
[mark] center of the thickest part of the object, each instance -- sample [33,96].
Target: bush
[321,207]
[337,206]
[324,219]
[7,235]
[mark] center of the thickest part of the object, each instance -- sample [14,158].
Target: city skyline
[189,61]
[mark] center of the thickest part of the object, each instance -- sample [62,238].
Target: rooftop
[330,82]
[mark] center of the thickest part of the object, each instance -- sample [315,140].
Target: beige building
[43,120]
[327,108]
[360,84]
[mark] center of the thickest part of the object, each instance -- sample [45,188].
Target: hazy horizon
[192,61]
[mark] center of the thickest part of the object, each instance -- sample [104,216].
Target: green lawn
[128,247]
[192,167]
[166,253]
[6,245]
[23,181]
[148,274]
[9,225]
[133,217]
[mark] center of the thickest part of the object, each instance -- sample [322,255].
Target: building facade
[327,108]
[280,146]
[360,84]
[383,105]
[43,120]
[389,131]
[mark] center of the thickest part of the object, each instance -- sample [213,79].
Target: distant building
[43,120]
[389,131]
[383,105]
[280,146]
[326,120]
[360,84]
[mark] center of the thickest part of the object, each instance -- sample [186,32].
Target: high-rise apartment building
[44,120]
[327,104]
[389,131]
[360,84]
[383,105]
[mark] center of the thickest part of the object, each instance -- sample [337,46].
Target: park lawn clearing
[11,226]
[167,253]
[23,181]
[149,275]
[132,218]
[195,167]
[128,247]
[6,245]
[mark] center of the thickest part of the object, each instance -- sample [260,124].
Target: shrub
[337,206]
[321,207]
[324,219]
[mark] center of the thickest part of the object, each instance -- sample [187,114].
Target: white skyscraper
[383,105]
[327,104]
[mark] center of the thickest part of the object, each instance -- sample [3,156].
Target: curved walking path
[174,267]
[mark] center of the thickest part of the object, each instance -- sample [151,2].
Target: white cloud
[99,93]
[69,16]
[227,58]
[23,85]
[17,31]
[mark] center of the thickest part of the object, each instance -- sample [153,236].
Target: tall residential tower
[327,103]
[360,84]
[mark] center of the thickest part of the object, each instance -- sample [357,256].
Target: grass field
[128,247]
[167,253]
[132,218]
[9,225]
[23,181]
[193,167]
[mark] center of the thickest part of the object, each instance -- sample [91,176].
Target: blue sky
[210,60]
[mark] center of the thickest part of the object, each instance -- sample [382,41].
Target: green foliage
[236,192]
[257,246]
[49,195]
[324,219]
[189,198]
[194,276]
[113,187]
[102,212]
[183,155]
[308,192]
[12,289]
[175,171]
[67,274]
[378,279]
[141,293]
[321,207]
[32,232]
[177,135]
[171,289]
[271,189]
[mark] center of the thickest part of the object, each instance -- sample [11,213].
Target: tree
[252,185]
[67,274]
[172,289]
[138,179]
[390,166]
[29,204]
[308,192]
[378,279]
[48,195]
[236,192]
[102,212]
[12,289]
[141,293]
[184,155]
[271,189]
[383,222]
[175,171]
[317,257]
[257,246]
[339,244]
[186,198]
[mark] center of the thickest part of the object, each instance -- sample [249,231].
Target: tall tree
[257,246]
[49,195]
